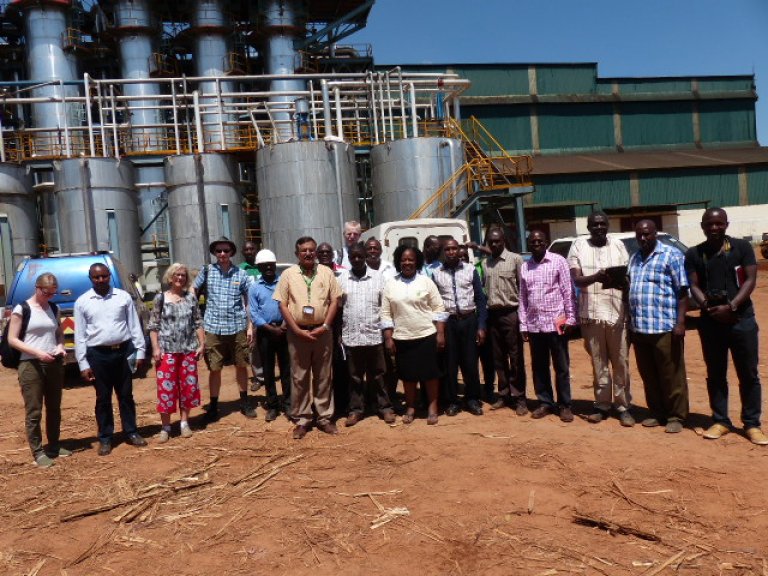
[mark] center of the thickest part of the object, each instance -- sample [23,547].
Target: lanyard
[309,284]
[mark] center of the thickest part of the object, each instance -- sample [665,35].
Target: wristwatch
[733,306]
[326,327]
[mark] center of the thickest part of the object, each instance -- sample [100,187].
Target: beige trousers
[311,378]
[608,346]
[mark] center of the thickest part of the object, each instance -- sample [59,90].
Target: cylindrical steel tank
[305,189]
[17,210]
[45,36]
[97,208]
[204,203]
[280,29]
[406,173]
[211,28]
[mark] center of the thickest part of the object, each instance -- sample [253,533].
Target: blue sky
[645,38]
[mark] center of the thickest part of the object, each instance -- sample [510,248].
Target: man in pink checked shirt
[546,317]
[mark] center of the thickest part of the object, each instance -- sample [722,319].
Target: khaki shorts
[222,347]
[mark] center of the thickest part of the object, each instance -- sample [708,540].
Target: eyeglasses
[222,250]
[48,293]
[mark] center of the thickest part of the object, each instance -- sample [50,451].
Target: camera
[716,297]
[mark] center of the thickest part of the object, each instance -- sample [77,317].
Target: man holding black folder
[599,269]
[723,274]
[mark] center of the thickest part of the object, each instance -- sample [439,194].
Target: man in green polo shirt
[249,265]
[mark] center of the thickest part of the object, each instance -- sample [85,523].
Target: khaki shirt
[502,279]
[296,291]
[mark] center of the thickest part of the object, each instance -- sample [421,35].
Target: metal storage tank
[204,203]
[18,219]
[97,208]
[305,189]
[406,173]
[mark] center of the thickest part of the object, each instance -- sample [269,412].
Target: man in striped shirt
[658,291]
[361,336]
[546,317]
[462,292]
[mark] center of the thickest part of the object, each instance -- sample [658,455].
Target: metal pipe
[176,135]
[327,125]
[115,140]
[381,100]
[88,209]
[2,141]
[389,107]
[313,109]
[337,96]
[101,118]
[414,117]
[520,217]
[67,142]
[339,200]
[91,141]
[220,115]
[373,109]
[198,122]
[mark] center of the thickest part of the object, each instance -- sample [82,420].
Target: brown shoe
[756,436]
[716,431]
[299,431]
[328,428]
[541,411]
[566,415]
[388,416]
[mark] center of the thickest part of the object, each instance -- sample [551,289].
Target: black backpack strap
[26,313]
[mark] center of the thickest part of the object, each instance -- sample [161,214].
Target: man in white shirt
[107,332]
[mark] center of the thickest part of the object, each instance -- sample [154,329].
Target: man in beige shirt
[309,298]
[598,268]
[501,277]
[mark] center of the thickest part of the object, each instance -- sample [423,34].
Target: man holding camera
[723,274]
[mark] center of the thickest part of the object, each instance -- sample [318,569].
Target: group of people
[343,327]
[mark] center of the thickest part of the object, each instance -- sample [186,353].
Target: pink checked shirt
[546,294]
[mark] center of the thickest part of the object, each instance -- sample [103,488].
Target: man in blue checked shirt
[658,293]
[227,330]
[271,332]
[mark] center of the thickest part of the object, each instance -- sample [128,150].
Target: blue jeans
[741,340]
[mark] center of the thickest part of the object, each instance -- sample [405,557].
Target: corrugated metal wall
[720,187]
[654,124]
[606,190]
[575,127]
[757,184]
[727,121]
[510,125]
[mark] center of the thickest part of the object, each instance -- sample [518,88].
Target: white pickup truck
[413,232]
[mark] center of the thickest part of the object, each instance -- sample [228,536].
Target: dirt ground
[496,494]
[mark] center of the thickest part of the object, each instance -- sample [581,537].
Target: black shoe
[247,410]
[499,404]
[452,410]
[271,415]
[474,407]
[211,416]
[105,448]
[136,440]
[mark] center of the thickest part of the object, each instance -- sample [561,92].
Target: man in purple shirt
[546,316]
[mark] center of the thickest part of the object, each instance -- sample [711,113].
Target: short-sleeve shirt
[41,330]
[362,307]
[224,308]
[655,285]
[596,303]
[411,306]
[176,323]
[251,269]
[298,292]
[719,270]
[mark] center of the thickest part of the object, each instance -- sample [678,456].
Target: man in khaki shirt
[501,274]
[309,298]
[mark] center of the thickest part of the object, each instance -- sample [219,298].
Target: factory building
[660,148]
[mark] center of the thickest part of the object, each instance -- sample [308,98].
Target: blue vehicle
[71,270]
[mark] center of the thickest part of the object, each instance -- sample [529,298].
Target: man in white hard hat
[271,332]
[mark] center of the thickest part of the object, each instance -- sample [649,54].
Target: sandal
[432,419]
[407,418]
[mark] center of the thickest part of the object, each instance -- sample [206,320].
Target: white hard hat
[265,256]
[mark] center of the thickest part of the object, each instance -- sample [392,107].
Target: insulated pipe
[327,123]
[337,96]
[198,122]
[414,117]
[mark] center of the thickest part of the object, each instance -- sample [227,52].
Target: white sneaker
[186,432]
[163,437]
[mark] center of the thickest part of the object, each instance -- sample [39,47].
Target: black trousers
[112,373]
[274,351]
[507,345]
[461,353]
[546,345]
[366,376]
[742,342]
